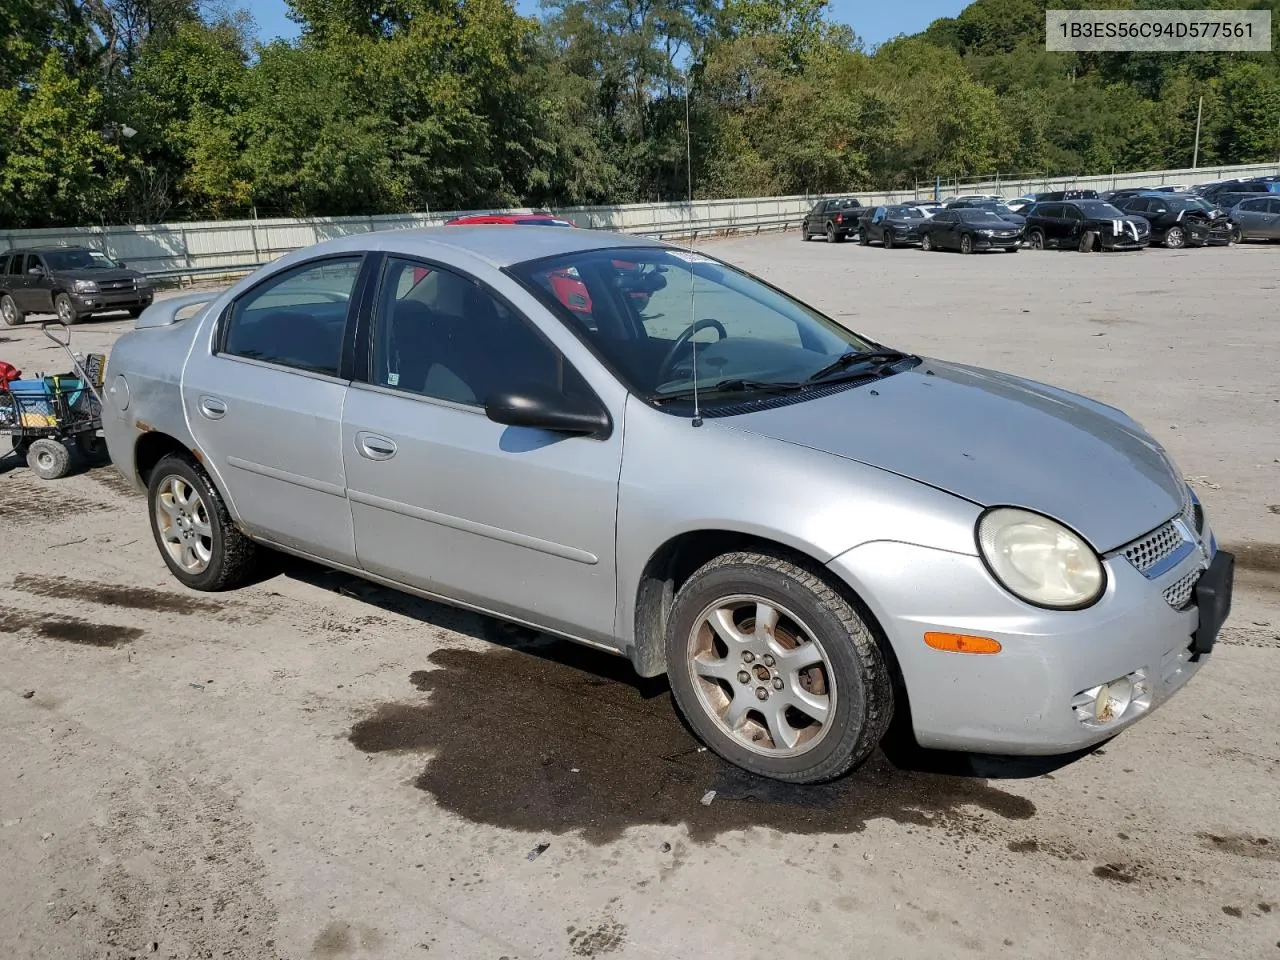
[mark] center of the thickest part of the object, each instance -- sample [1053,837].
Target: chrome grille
[1158,545]
[1178,595]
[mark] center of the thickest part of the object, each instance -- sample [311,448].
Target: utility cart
[54,418]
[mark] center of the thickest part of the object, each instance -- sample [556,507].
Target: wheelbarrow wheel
[48,458]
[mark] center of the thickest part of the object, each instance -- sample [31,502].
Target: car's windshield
[904,213]
[1099,208]
[1189,203]
[647,311]
[78,260]
[971,215]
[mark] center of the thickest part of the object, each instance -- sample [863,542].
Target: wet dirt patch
[24,501]
[553,737]
[67,629]
[109,479]
[598,940]
[1241,845]
[1116,873]
[113,595]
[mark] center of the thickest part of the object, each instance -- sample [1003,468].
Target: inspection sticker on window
[1158,30]
[688,256]
[393,379]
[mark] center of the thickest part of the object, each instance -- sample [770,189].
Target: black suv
[72,282]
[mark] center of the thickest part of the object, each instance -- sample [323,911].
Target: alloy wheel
[183,521]
[762,676]
[64,310]
[1175,238]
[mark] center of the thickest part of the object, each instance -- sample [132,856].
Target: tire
[1175,238]
[1013,249]
[966,243]
[9,312]
[804,233]
[1237,235]
[232,558]
[887,242]
[65,309]
[136,312]
[48,459]
[92,450]
[1086,242]
[926,243]
[848,675]
[864,239]
[1036,239]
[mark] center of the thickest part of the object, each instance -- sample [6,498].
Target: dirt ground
[315,767]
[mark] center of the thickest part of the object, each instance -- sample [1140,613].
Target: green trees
[141,110]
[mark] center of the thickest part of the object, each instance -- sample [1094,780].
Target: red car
[538,219]
[567,287]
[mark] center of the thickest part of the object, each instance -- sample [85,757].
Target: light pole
[1195,156]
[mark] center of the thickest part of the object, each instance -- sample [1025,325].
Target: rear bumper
[1020,700]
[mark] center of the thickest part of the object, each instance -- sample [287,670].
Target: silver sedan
[649,451]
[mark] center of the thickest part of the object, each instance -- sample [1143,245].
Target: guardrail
[182,251]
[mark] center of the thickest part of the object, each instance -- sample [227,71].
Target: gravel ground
[317,767]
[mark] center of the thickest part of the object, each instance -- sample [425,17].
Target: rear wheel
[864,238]
[1176,237]
[966,244]
[804,232]
[196,535]
[48,459]
[9,311]
[775,670]
[1036,238]
[65,309]
[888,239]
[926,243]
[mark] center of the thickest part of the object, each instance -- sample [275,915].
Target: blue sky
[874,20]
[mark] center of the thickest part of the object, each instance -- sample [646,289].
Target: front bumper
[1020,700]
[1124,243]
[996,242]
[112,300]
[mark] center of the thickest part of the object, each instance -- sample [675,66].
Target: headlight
[85,286]
[987,233]
[1039,560]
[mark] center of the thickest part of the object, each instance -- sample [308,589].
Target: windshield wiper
[733,385]
[881,359]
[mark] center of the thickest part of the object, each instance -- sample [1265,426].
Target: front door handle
[212,408]
[373,447]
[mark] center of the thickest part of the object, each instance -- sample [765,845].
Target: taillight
[839,218]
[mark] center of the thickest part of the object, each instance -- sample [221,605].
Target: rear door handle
[212,408]
[373,447]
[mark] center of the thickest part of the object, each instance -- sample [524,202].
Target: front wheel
[888,240]
[196,535]
[864,238]
[1175,238]
[966,244]
[1012,249]
[65,309]
[804,233]
[775,670]
[1036,237]
[926,243]
[1237,235]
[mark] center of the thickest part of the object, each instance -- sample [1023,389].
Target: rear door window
[15,265]
[296,318]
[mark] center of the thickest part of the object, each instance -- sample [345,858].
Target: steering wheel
[682,341]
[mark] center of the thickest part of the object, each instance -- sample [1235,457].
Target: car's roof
[498,244]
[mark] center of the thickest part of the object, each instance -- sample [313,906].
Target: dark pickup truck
[836,219]
[71,282]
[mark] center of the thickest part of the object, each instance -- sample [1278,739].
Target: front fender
[678,479]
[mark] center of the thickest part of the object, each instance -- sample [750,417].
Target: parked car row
[1127,219]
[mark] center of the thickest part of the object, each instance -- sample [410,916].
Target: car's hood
[993,439]
[99,275]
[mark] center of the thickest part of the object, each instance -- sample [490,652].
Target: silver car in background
[646,450]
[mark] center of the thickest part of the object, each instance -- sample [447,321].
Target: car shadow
[599,670]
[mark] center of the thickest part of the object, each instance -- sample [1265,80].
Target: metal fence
[186,250]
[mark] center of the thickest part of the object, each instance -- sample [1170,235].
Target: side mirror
[538,406]
[121,263]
